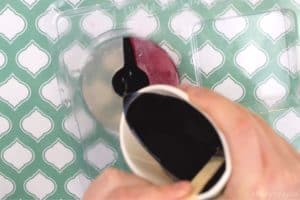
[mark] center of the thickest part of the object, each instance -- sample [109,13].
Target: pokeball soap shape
[141,61]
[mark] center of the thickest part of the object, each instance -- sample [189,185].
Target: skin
[271,170]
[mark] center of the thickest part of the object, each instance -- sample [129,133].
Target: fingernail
[182,189]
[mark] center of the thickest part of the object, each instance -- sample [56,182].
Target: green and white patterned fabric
[236,48]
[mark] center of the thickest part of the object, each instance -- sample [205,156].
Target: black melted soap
[179,137]
[130,77]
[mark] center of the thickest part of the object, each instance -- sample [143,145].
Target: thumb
[178,190]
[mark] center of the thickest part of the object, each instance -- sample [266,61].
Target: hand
[117,185]
[264,166]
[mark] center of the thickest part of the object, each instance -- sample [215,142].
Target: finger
[283,148]
[178,190]
[108,181]
[278,139]
[239,127]
[175,191]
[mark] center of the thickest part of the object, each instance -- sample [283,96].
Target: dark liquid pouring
[130,77]
[178,136]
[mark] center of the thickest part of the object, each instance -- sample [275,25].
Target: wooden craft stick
[204,175]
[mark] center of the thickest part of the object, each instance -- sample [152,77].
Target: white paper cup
[144,165]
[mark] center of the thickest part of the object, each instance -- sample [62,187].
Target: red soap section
[155,62]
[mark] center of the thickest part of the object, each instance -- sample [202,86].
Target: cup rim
[165,89]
